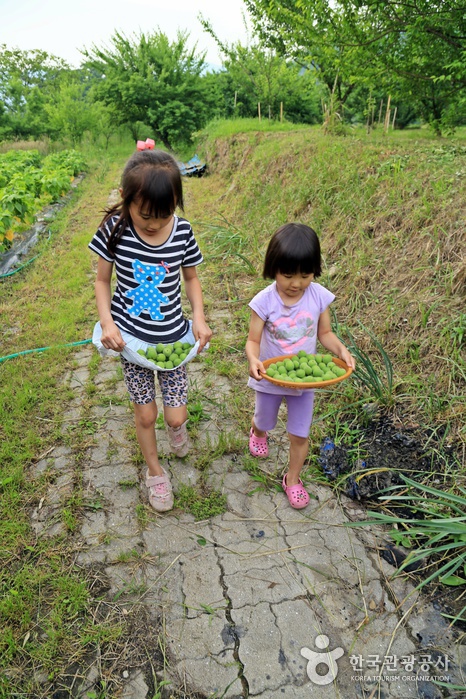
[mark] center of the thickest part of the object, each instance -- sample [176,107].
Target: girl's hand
[111,337]
[348,358]
[255,369]
[201,332]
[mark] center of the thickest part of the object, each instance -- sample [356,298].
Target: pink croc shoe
[258,445]
[297,495]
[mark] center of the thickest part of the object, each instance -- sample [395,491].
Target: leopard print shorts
[140,383]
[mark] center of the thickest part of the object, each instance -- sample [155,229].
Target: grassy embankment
[390,214]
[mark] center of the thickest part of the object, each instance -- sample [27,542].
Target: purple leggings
[299,408]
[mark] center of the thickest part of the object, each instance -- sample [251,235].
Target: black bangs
[157,196]
[293,249]
[292,264]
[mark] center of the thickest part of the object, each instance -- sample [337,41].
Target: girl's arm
[201,330]
[330,341]
[256,327]
[111,336]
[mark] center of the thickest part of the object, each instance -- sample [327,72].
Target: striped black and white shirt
[147,298]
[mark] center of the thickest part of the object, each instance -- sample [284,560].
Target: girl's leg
[145,417]
[265,418]
[140,383]
[300,410]
[266,412]
[175,417]
[174,387]
[299,448]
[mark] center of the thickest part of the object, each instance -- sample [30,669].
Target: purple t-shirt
[288,329]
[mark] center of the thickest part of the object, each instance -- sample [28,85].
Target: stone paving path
[240,604]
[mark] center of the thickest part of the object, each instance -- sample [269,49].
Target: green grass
[224,128]
[202,506]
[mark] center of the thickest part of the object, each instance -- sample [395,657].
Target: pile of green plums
[167,356]
[305,368]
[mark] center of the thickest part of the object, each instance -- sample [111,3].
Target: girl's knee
[145,415]
[297,441]
[175,417]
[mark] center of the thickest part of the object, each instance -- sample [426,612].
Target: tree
[310,33]
[70,115]
[416,50]
[149,79]
[28,80]
[257,74]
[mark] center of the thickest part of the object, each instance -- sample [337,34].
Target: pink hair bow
[148,144]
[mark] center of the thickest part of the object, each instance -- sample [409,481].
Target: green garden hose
[8,274]
[42,349]
[18,269]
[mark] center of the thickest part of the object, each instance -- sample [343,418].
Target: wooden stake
[236,97]
[387,116]
[281,111]
[259,110]
[380,112]
[394,117]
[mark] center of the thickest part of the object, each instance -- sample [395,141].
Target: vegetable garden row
[30,181]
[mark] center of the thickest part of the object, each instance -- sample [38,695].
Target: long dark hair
[293,249]
[153,178]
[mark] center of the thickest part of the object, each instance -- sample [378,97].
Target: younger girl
[287,316]
[150,247]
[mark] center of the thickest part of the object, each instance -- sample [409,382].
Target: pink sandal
[298,497]
[160,492]
[258,445]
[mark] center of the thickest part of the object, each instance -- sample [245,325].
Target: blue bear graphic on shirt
[146,296]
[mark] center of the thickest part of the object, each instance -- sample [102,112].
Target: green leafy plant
[455,330]
[226,240]
[381,387]
[437,536]
[28,182]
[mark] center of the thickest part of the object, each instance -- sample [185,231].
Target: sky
[62,27]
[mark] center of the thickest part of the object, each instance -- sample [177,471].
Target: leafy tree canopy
[258,74]
[149,79]
[28,80]
[416,49]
